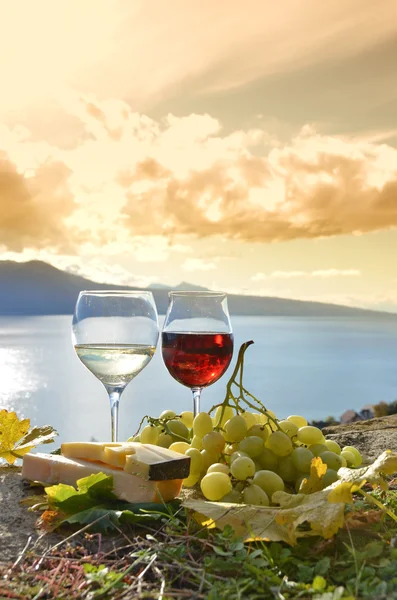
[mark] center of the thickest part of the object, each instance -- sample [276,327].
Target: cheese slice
[87,450]
[53,469]
[146,460]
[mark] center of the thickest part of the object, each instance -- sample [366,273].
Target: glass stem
[196,400]
[114,397]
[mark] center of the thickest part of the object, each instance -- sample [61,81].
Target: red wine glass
[197,339]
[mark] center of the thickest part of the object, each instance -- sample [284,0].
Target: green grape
[333,446]
[286,469]
[197,442]
[167,414]
[239,486]
[300,480]
[220,419]
[233,497]
[149,435]
[249,419]
[164,440]
[269,482]
[242,468]
[310,435]
[136,438]
[196,460]
[252,445]
[297,420]
[215,486]
[180,447]
[330,477]
[257,418]
[253,494]
[235,429]
[349,458]
[191,480]
[187,418]
[302,458]
[202,424]
[268,418]
[218,468]
[356,453]
[279,443]
[178,428]
[332,460]
[208,459]
[317,449]
[288,427]
[238,454]
[214,442]
[268,460]
[259,431]
[230,448]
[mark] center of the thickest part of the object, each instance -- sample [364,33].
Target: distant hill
[37,288]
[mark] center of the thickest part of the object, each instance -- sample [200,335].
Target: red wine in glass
[197,339]
[197,359]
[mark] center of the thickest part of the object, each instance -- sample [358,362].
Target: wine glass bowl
[197,339]
[115,335]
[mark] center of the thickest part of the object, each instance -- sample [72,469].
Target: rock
[16,522]
[371,437]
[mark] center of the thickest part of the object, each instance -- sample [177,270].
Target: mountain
[37,288]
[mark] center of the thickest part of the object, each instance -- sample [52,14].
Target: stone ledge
[371,437]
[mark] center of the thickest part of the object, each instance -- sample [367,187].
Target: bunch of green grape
[247,457]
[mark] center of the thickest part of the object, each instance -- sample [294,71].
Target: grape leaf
[91,491]
[353,479]
[93,502]
[322,510]
[314,482]
[16,439]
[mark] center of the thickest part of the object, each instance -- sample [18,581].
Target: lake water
[310,366]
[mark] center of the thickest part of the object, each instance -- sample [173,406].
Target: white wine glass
[197,339]
[115,334]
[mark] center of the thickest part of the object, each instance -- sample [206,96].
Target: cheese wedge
[146,460]
[53,469]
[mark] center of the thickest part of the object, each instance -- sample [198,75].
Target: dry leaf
[353,479]
[322,510]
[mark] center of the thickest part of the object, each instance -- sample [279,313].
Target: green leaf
[94,502]
[91,491]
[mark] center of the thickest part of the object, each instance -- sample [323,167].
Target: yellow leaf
[315,482]
[322,510]
[352,480]
[276,523]
[12,430]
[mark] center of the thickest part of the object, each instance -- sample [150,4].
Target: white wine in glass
[115,335]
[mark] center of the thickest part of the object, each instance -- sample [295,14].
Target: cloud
[34,206]
[197,264]
[133,178]
[322,273]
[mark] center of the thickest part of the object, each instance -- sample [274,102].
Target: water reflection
[305,365]
[18,380]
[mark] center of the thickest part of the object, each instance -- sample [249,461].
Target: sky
[249,147]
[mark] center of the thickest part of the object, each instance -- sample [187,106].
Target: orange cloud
[33,208]
[133,177]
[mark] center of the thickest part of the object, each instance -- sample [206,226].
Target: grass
[179,560]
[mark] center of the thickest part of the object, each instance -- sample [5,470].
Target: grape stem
[163,423]
[242,396]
